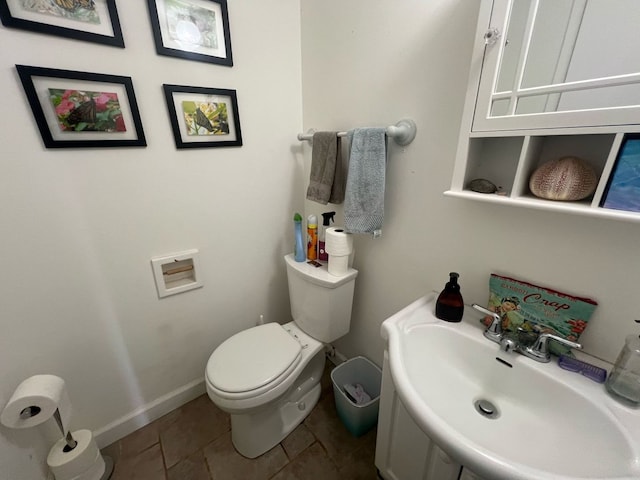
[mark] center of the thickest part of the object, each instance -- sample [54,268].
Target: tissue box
[538,309]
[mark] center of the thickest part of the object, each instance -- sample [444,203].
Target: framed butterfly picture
[203,117]
[192,29]
[87,20]
[82,110]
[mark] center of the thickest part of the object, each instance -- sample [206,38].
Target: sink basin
[535,421]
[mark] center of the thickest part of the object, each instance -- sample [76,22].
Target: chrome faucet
[493,331]
[539,351]
[509,342]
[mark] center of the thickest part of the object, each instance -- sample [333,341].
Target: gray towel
[364,195]
[326,157]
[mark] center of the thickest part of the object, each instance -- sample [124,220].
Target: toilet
[268,377]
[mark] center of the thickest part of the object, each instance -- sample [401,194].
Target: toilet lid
[252,358]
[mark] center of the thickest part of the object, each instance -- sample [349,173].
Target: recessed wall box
[177,273]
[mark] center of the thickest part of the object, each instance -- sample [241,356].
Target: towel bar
[402,132]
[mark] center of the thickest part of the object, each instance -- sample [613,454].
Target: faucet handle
[493,331]
[539,351]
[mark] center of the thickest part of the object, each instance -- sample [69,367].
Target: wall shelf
[509,160]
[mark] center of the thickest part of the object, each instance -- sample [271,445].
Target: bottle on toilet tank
[300,252]
[312,237]
[327,218]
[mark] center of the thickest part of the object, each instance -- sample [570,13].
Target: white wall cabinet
[506,147]
[403,450]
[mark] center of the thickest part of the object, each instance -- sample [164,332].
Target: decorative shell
[566,178]
[482,185]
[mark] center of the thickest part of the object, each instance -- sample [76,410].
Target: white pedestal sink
[547,423]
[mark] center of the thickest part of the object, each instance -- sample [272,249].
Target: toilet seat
[253,361]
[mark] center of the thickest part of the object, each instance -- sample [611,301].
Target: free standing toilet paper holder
[33,410]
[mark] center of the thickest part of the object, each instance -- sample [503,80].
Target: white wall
[79,226]
[368,64]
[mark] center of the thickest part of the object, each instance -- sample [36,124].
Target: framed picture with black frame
[623,188]
[82,110]
[203,117]
[192,29]
[88,20]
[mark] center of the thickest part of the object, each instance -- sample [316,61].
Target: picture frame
[82,110]
[192,29]
[623,187]
[203,117]
[96,22]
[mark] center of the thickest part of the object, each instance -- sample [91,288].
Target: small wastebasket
[358,418]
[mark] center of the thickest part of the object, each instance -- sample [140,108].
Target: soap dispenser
[450,306]
[624,382]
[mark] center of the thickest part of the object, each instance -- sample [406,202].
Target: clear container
[624,382]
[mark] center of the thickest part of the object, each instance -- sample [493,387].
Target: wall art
[192,29]
[203,117]
[80,109]
[88,20]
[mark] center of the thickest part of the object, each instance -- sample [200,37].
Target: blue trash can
[359,418]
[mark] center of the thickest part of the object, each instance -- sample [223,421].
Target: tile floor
[194,443]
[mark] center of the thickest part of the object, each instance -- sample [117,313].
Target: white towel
[364,193]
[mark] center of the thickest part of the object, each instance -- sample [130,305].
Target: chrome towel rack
[402,132]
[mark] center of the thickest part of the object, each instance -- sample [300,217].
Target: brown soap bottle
[450,306]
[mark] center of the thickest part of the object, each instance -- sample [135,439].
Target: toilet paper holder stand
[34,410]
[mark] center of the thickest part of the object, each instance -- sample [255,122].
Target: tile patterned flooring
[194,443]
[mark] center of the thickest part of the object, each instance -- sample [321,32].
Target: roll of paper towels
[338,242]
[35,401]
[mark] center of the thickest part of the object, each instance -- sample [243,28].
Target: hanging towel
[337,189]
[364,194]
[324,159]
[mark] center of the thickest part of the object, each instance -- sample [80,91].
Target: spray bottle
[327,217]
[312,237]
[300,255]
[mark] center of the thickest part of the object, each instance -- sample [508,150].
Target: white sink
[550,424]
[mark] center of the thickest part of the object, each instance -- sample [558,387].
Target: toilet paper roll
[35,401]
[83,462]
[338,242]
[338,265]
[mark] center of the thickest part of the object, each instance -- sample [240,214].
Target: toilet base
[255,433]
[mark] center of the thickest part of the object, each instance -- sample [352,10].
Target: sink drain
[486,408]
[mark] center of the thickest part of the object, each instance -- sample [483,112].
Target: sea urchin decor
[566,178]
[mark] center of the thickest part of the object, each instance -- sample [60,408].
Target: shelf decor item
[192,29]
[203,117]
[79,109]
[87,20]
[566,178]
[623,190]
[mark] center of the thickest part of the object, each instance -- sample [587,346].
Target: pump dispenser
[450,306]
[327,217]
[312,237]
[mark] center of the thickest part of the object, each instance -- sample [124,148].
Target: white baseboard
[148,413]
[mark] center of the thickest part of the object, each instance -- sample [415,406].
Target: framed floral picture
[88,20]
[80,109]
[192,29]
[203,117]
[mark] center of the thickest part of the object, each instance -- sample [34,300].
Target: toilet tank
[320,302]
